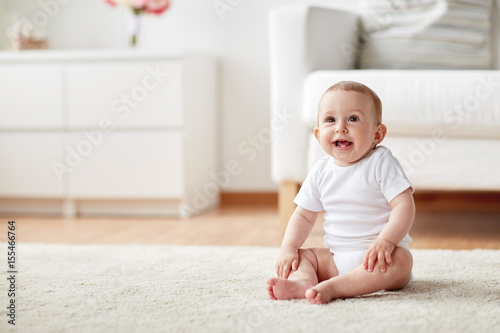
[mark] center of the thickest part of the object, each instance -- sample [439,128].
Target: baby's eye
[330,120]
[353,118]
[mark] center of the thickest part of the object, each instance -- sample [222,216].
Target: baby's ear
[380,134]
[316,133]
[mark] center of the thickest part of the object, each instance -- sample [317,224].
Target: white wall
[237,37]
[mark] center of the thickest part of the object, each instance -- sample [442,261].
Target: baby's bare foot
[321,293]
[282,289]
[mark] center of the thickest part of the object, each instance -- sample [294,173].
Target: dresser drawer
[27,165]
[144,94]
[127,165]
[31,96]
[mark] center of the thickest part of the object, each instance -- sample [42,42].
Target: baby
[368,207]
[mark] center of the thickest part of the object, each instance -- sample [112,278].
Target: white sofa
[443,125]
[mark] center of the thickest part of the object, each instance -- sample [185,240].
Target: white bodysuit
[356,200]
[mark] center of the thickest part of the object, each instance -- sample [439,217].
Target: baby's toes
[314,297]
[311,295]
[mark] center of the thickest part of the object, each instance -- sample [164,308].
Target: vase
[134,26]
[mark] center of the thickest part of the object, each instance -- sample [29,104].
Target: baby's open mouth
[343,144]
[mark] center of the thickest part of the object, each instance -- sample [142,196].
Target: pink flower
[139,3]
[157,6]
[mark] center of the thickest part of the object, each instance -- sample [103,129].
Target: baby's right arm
[298,229]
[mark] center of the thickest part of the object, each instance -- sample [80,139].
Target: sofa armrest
[302,39]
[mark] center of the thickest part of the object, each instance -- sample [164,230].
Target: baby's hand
[381,251]
[287,260]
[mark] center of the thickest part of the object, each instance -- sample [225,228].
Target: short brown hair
[359,87]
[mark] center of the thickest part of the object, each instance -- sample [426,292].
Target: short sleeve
[391,177]
[309,195]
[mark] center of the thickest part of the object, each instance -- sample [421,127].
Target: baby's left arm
[400,221]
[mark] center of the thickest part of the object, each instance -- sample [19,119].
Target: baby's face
[347,126]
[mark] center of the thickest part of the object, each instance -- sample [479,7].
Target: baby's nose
[341,127]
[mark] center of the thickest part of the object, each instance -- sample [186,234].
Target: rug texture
[145,288]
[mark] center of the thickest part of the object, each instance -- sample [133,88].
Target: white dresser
[107,133]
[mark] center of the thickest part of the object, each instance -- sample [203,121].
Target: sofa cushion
[423,34]
[462,104]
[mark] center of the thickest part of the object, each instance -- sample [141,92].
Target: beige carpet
[139,288]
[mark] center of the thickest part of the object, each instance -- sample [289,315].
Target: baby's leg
[315,265]
[361,282]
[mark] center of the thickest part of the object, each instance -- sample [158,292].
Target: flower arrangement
[138,7]
[143,6]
